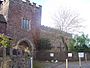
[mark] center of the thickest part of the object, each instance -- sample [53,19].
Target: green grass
[38,64]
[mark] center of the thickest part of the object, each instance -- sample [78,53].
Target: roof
[2,19]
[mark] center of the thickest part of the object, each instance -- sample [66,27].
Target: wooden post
[31,62]
[66,63]
[80,62]
[85,57]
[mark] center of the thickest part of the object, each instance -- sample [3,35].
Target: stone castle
[21,20]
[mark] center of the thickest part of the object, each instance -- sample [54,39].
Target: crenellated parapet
[27,2]
[32,4]
[54,30]
[36,6]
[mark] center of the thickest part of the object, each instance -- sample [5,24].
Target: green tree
[5,40]
[80,43]
[71,46]
[44,44]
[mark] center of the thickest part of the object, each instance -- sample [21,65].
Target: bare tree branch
[66,20]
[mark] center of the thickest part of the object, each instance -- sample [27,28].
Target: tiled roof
[2,19]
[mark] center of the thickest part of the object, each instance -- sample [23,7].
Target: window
[7,51]
[26,24]
[14,51]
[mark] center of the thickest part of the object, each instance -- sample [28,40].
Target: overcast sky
[50,7]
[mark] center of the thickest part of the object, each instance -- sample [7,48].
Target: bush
[44,44]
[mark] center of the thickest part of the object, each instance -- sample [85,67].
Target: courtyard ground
[62,64]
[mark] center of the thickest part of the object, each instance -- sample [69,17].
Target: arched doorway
[24,54]
[25,48]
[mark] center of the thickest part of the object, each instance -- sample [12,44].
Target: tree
[5,42]
[44,44]
[67,21]
[80,43]
[71,46]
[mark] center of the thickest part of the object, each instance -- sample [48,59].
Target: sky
[50,7]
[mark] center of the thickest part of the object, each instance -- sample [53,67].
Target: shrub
[44,44]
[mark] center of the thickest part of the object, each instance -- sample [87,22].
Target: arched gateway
[25,45]
[23,54]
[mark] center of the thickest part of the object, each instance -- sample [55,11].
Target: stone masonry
[2,24]
[14,11]
[54,36]
[25,41]
[58,47]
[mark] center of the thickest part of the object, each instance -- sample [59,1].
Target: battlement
[26,2]
[32,4]
[53,30]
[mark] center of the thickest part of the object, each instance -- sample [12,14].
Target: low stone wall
[76,58]
[60,56]
[15,62]
[45,56]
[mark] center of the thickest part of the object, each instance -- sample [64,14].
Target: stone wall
[54,35]
[45,56]
[3,24]
[14,62]
[58,47]
[60,56]
[76,58]
[14,11]
[3,28]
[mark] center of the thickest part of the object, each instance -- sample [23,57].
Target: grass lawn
[38,64]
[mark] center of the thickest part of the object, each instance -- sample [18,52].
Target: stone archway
[25,43]
[26,46]
[24,54]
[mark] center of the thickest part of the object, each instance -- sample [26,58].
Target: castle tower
[17,11]
[23,25]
